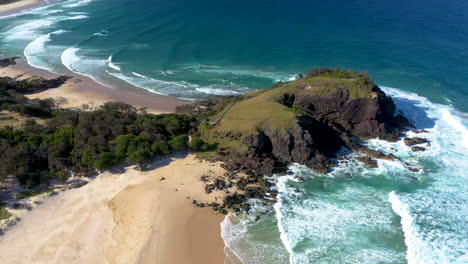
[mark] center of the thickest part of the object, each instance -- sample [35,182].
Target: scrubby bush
[105,160]
[198,144]
[179,142]
[85,141]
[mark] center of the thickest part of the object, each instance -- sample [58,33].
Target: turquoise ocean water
[417,51]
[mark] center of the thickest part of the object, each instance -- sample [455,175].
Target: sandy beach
[20,6]
[128,217]
[81,90]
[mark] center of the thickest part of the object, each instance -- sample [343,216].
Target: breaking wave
[384,215]
[112,65]
[35,51]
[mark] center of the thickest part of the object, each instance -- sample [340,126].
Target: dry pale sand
[20,6]
[133,217]
[81,90]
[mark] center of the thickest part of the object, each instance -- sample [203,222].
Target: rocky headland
[314,121]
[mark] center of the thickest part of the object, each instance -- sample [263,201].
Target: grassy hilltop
[269,109]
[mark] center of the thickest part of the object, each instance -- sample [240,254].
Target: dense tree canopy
[83,141]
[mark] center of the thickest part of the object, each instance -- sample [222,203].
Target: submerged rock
[416,148]
[371,163]
[415,141]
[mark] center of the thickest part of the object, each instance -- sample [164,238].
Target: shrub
[105,160]
[179,142]
[198,144]
[139,156]
[160,148]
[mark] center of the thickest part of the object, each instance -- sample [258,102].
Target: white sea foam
[216,91]
[149,84]
[78,17]
[35,50]
[26,31]
[69,58]
[246,244]
[89,67]
[281,185]
[139,75]
[182,90]
[102,33]
[445,116]
[77,13]
[74,3]
[30,29]
[112,65]
[415,254]
[433,219]
[241,71]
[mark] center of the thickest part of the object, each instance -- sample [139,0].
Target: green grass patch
[263,109]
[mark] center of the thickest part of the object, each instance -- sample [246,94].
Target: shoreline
[81,90]
[126,217]
[20,7]
[188,235]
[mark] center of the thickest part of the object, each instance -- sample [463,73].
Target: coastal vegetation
[4,214]
[69,141]
[309,121]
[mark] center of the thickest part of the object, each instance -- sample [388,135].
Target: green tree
[122,143]
[105,160]
[179,142]
[160,148]
[87,158]
[198,144]
[139,156]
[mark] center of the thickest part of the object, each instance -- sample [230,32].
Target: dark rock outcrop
[369,117]
[416,149]
[326,126]
[415,141]
[371,163]
[32,85]
[7,62]
[312,121]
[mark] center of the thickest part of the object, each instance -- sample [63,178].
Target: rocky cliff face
[360,117]
[328,122]
[313,121]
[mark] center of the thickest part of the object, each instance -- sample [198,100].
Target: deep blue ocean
[417,51]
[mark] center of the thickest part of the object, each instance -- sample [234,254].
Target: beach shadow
[159,162]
